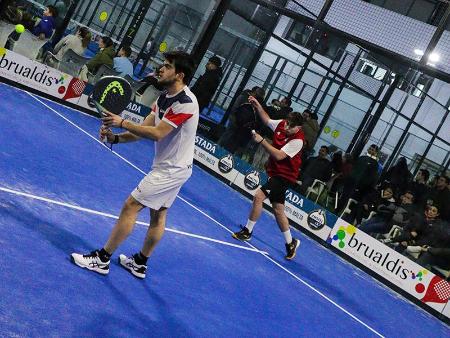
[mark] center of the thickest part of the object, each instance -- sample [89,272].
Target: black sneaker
[291,248]
[129,263]
[243,235]
[91,262]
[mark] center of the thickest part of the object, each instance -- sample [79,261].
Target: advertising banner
[391,265]
[215,158]
[38,76]
[309,215]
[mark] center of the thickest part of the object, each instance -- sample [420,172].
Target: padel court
[60,191]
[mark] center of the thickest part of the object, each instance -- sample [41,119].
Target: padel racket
[111,93]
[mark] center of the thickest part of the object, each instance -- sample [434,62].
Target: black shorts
[275,189]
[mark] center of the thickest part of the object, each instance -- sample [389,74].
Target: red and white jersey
[176,150]
[288,167]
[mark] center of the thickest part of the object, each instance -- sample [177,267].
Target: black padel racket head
[113,93]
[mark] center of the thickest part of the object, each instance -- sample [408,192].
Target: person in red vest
[282,168]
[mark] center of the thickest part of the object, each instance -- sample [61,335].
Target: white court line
[224,227]
[95,212]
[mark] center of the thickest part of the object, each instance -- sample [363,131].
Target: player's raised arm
[259,108]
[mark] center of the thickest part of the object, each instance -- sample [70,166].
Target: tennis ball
[20,28]
[103,16]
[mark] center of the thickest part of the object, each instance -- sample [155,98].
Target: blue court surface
[60,191]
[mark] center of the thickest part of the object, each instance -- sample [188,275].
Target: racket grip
[104,139]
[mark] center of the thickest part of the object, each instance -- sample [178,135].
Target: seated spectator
[238,133]
[77,42]
[104,56]
[419,187]
[416,228]
[398,176]
[432,242]
[363,177]
[382,202]
[341,170]
[206,85]
[311,129]
[318,167]
[440,195]
[122,63]
[388,215]
[41,27]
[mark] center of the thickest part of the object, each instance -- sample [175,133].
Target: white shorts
[160,187]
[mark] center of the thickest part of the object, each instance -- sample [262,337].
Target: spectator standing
[398,176]
[363,177]
[310,128]
[440,195]
[419,187]
[206,85]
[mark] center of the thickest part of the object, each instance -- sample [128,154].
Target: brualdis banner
[391,265]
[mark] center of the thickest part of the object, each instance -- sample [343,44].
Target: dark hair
[107,41]
[183,63]
[288,101]
[447,179]
[260,94]
[127,50]
[425,174]
[326,148]
[374,146]
[295,119]
[215,61]
[308,111]
[85,36]
[53,11]
[411,193]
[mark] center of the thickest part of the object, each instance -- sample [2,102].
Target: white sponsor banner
[314,221]
[391,265]
[38,76]
[249,182]
[214,158]
[446,311]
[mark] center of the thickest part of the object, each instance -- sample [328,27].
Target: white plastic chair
[316,188]
[347,209]
[29,45]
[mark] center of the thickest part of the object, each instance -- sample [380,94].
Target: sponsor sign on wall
[309,215]
[38,76]
[215,158]
[391,265]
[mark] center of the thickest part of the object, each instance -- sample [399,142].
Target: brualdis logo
[348,240]
[34,73]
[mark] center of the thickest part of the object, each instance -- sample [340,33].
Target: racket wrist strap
[121,123]
[261,141]
[116,139]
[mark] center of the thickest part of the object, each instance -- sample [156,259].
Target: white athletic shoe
[130,264]
[91,262]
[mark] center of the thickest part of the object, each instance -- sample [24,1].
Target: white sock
[287,236]
[250,225]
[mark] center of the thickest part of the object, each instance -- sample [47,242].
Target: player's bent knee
[132,204]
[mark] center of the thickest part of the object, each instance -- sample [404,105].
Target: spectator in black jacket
[398,176]
[206,85]
[419,187]
[363,177]
[389,215]
[242,121]
[440,196]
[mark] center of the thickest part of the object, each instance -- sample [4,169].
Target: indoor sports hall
[338,111]
[61,191]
